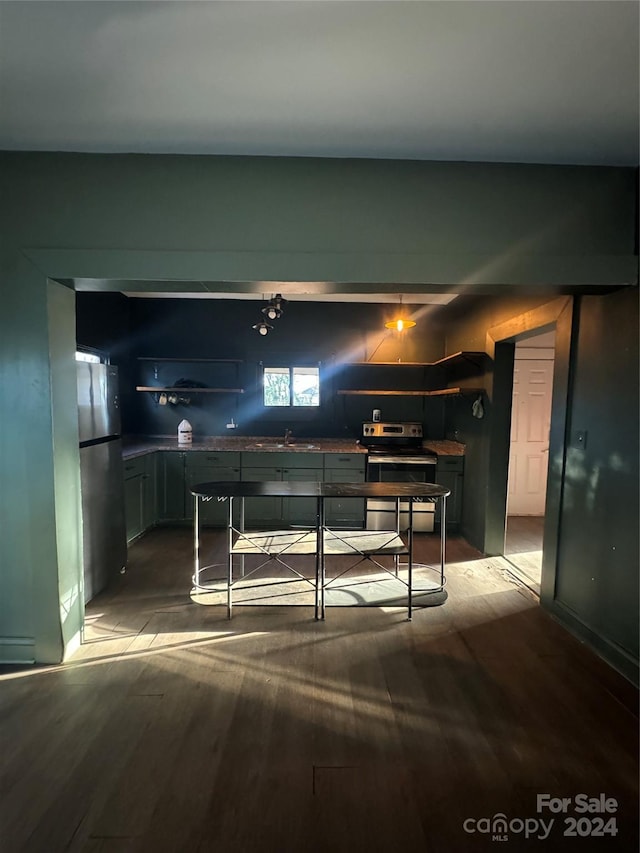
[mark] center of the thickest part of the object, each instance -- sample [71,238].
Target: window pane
[306,386]
[276,386]
[87,356]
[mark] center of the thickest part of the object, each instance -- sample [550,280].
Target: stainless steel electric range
[396,454]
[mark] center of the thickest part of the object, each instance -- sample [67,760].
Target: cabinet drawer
[284,459]
[302,460]
[224,458]
[450,463]
[344,460]
[134,467]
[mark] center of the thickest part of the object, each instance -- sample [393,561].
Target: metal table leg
[322,558]
[410,565]
[396,558]
[318,551]
[230,559]
[443,536]
[196,541]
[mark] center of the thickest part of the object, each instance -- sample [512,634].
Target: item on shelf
[376,415]
[185,432]
[477,410]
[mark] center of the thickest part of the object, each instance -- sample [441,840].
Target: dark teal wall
[598,582]
[594,583]
[404,224]
[450,224]
[330,335]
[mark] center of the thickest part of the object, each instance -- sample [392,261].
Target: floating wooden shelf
[204,360]
[441,362]
[458,357]
[183,390]
[440,392]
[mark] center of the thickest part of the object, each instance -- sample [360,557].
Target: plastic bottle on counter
[185,433]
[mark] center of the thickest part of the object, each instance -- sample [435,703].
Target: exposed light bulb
[400,325]
[262,328]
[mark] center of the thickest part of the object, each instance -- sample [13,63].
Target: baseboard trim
[610,652]
[19,650]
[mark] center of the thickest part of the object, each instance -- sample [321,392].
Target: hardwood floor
[173,729]
[523,548]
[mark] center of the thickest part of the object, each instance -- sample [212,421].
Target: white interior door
[530,423]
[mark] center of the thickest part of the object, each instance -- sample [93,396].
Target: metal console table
[319,541]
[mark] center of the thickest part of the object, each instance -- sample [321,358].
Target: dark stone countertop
[140,445]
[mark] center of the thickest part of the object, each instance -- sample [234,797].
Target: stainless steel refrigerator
[103,522]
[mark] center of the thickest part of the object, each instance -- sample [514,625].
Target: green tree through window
[291,386]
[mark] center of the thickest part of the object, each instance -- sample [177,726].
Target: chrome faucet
[287,436]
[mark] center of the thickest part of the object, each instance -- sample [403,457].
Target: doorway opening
[529,456]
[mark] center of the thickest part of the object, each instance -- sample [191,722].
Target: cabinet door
[214,513]
[300,511]
[262,512]
[149,497]
[452,481]
[133,503]
[171,491]
[344,512]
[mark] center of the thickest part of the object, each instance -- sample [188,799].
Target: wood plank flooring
[523,548]
[173,729]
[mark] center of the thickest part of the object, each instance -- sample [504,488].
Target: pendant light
[274,310]
[262,328]
[401,323]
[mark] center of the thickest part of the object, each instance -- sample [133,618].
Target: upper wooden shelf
[456,357]
[182,389]
[202,360]
[440,392]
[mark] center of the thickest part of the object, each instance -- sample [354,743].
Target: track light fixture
[273,310]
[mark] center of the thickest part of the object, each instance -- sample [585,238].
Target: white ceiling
[519,81]
[545,81]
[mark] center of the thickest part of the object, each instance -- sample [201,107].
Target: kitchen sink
[280,445]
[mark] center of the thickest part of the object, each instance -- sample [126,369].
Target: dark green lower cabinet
[149,492]
[171,491]
[262,512]
[204,466]
[213,513]
[449,473]
[139,495]
[300,512]
[344,512]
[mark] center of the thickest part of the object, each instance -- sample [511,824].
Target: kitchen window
[291,386]
[92,357]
